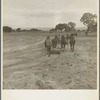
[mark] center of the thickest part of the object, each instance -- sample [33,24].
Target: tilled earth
[27,66]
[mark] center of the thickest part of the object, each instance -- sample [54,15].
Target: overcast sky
[45,13]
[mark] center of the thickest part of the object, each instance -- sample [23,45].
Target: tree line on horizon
[88,19]
[9,29]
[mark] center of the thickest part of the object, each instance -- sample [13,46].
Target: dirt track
[27,66]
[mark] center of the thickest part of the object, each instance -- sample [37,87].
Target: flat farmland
[27,66]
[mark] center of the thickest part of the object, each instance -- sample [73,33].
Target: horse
[72,43]
[63,41]
[54,42]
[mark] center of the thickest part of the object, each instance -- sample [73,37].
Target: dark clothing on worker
[72,42]
[54,42]
[48,45]
[67,38]
[63,41]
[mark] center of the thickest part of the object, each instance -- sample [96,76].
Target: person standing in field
[48,45]
[59,38]
[67,38]
[63,41]
[72,42]
[54,42]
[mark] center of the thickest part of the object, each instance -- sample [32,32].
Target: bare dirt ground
[27,66]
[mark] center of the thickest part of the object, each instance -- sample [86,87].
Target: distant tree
[62,27]
[7,29]
[95,27]
[67,28]
[83,30]
[33,29]
[24,30]
[53,30]
[18,29]
[72,25]
[78,30]
[13,30]
[89,20]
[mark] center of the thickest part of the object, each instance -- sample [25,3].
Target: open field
[27,66]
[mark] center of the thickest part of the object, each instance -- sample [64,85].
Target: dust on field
[27,66]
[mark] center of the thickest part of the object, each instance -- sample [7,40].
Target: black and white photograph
[50,44]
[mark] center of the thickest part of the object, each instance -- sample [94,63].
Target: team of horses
[63,41]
